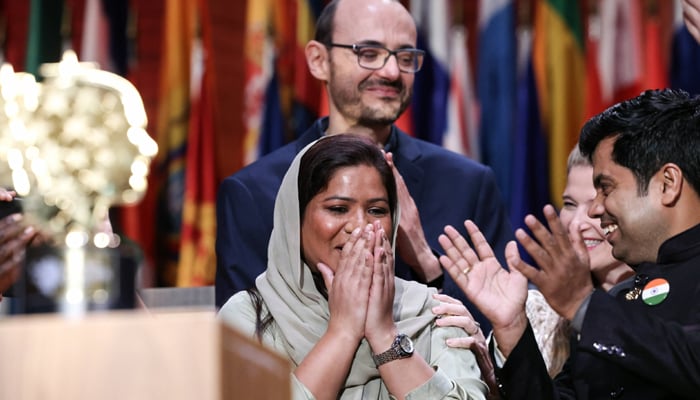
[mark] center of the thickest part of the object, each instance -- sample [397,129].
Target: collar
[393,142]
[320,128]
[680,247]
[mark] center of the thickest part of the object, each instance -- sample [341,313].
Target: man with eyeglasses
[364,51]
[374,56]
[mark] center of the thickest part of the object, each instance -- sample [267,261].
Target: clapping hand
[564,276]
[499,294]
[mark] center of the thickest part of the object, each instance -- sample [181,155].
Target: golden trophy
[73,146]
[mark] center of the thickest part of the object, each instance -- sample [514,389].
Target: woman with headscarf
[329,299]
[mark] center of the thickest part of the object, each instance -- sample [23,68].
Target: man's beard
[372,116]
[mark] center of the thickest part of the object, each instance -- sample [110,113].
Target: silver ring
[477,325]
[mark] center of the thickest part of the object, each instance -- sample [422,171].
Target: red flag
[197,265]
[655,59]
[259,67]
[171,136]
[16,16]
[620,50]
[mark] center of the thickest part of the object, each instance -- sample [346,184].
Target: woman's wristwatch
[402,347]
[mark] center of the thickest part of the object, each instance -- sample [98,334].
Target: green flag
[44,36]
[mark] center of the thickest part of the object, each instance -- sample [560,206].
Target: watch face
[406,344]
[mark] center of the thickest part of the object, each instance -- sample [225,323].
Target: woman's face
[578,196]
[355,197]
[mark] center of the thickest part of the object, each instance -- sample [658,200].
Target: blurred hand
[411,244]
[14,238]
[691,16]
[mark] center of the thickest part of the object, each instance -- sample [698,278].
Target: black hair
[325,24]
[262,319]
[652,129]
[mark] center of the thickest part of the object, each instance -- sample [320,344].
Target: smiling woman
[578,197]
[329,299]
[354,198]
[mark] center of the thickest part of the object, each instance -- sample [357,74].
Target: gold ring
[467,270]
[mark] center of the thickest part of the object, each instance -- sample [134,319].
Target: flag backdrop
[685,57]
[16,31]
[248,90]
[172,130]
[305,91]
[259,70]
[433,81]
[620,58]
[95,43]
[197,262]
[496,85]
[655,64]
[558,59]
[44,40]
[530,165]
[462,131]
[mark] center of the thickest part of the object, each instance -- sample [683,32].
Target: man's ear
[317,60]
[672,180]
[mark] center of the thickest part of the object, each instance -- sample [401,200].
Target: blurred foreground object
[132,355]
[72,146]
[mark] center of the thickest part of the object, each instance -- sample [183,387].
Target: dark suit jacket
[626,349]
[447,188]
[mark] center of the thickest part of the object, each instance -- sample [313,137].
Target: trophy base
[74,281]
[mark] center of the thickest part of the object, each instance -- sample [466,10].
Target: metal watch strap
[383,358]
[394,352]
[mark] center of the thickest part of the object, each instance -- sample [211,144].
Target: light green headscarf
[301,311]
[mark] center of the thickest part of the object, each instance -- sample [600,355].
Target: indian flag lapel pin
[655,291]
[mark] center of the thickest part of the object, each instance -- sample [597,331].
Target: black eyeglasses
[370,56]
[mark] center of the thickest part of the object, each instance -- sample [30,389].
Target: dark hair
[325,24]
[652,129]
[262,319]
[323,159]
